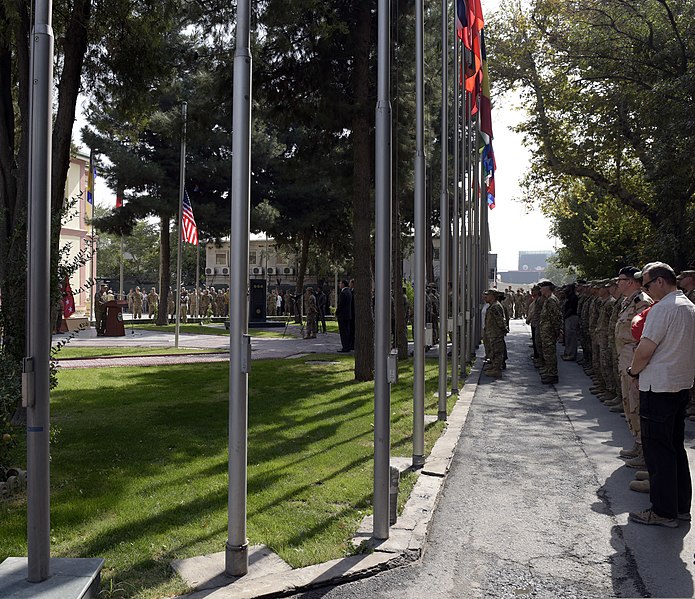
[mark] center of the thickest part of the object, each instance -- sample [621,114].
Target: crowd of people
[637,338]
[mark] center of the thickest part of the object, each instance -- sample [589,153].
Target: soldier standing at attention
[633,302]
[100,310]
[494,332]
[152,303]
[183,304]
[549,330]
[312,313]
[137,303]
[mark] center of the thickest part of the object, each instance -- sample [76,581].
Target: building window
[252,258]
[221,259]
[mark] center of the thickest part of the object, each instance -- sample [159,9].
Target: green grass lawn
[95,352]
[206,329]
[139,467]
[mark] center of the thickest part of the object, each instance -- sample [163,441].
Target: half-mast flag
[189,230]
[90,179]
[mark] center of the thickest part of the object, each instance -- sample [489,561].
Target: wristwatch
[629,371]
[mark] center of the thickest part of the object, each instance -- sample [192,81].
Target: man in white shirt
[665,363]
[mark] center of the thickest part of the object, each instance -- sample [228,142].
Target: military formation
[606,318]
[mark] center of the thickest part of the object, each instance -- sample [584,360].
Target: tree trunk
[429,246]
[164,270]
[400,331]
[361,205]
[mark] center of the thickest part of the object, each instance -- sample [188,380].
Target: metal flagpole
[382,278]
[465,201]
[475,206]
[444,225]
[120,272]
[179,249]
[92,272]
[420,225]
[472,292]
[237,546]
[197,280]
[455,239]
[35,375]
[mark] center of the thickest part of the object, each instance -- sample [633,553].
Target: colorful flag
[188,228]
[119,201]
[489,167]
[68,299]
[485,118]
[90,179]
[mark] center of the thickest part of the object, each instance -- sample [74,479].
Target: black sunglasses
[648,283]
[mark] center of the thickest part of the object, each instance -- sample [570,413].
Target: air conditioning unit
[272,270]
[287,270]
[257,270]
[209,271]
[225,270]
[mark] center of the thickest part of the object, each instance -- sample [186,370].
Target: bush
[10,393]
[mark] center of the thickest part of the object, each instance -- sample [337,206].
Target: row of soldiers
[609,316]
[516,303]
[210,301]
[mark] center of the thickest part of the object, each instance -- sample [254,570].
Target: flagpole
[35,374]
[237,546]
[419,209]
[182,185]
[197,280]
[382,275]
[470,290]
[120,281]
[455,239]
[444,225]
[92,273]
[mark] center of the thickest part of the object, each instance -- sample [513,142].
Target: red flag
[68,300]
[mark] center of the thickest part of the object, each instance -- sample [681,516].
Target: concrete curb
[406,543]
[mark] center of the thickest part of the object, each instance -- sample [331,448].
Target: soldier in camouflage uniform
[204,303]
[137,303]
[183,305]
[606,340]
[152,303]
[599,385]
[634,301]
[494,332]
[312,313]
[612,348]
[549,329]
[193,302]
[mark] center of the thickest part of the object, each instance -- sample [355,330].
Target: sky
[512,227]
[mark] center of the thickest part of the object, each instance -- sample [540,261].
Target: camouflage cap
[490,292]
[545,284]
[685,274]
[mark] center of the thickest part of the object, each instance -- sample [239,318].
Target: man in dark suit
[343,313]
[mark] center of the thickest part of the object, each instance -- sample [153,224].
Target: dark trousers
[344,328]
[662,416]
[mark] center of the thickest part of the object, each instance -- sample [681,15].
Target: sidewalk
[536,502]
[261,347]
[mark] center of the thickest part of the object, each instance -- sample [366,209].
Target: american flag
[189,229]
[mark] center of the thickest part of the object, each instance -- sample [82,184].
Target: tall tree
[608,86]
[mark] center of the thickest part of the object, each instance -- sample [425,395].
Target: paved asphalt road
[536,504]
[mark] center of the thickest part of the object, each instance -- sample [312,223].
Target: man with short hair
[494,332]
[634,300]
[549,330]
[686,282]
[665,363]
[343,314]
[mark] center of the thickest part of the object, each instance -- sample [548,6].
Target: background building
[532,267]
[74,230]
